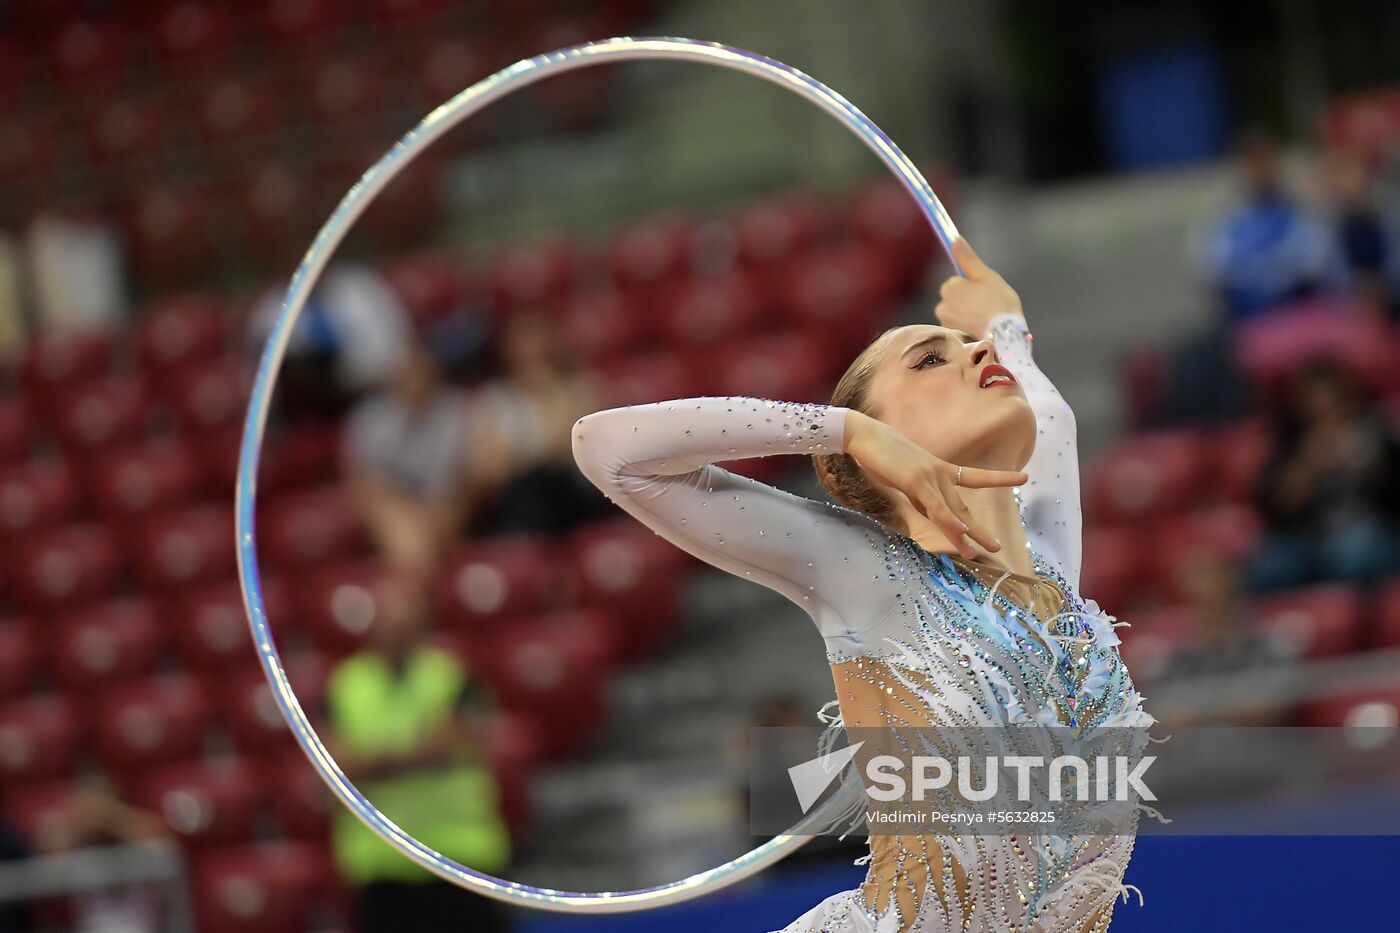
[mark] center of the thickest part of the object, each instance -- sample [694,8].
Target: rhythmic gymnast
[948,574]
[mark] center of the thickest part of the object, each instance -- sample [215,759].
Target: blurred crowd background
[1199,204]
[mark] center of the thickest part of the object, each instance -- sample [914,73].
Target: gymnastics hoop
[356,200]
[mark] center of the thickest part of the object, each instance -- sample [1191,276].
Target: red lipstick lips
[995,375]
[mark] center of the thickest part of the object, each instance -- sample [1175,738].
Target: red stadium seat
[211,627]
[773,231]
[295,26]
[650,377]
[346,94]
[294,459]
[186,546]
[339,603]
[28,148]
[98,643]
[241,113]
[14,68]
[633,573]
[171,234]
[407,16]
[272,202]
[887,217]
[311,527]
[554,667]
[16,428]
[1239,453]
[304,804]
[196,36]
[704,311]
[492,580]
[63,565]
[269,887]
[102,411]
[205,802]
[1114,569]
[1226,532]
[20,657]
[89,54]
[36,494]
[1146,475]
[531,274]
[430,285]
[578,102]
[136,478]
[516,743]
[603,324]
[39,739]
[144,724]
[792,366]
[192,326]
[1388,612]
[38,811]
[1317,621]
[1377,709]
[129,133]
[1337,327]
[847,289]
[649,253]
[250,710]
[447,66]
[411,205]
[61,358]
[209,393]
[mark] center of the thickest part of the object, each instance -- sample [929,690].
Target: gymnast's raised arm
[983,303]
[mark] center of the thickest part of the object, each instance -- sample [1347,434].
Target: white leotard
[894,614]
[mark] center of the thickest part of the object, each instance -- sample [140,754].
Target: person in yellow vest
[401,721]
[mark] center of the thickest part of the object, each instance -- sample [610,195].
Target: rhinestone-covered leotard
[913,637]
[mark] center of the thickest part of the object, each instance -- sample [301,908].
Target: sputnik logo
[810,778]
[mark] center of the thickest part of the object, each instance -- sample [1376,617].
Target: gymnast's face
[946,391]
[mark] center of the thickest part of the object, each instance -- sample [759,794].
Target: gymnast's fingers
[978,478]
[934,506]
[968,260]
[959,508]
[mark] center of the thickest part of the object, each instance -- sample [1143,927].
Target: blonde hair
[839,473]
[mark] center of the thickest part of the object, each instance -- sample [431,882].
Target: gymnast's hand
[930,484]
[970,303]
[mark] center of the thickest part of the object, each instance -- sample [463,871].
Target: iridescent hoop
[303,281]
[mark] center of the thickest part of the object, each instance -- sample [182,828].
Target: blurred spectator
[402,723]
[520,434]
[405,456]
[1268,250]
[75,272]
[1367,243]
[1226,644]
[1328,493]
[351,337]
[97,816]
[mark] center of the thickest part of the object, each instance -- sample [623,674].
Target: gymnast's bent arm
[657,461]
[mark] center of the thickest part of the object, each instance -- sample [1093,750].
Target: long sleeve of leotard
[1050,507]
[657,461]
